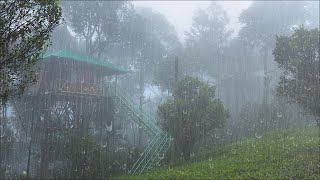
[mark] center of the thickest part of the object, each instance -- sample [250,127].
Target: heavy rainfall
[159,90]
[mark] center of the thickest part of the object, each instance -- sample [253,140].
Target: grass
[289,154]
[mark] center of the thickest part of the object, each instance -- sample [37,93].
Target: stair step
[157,146]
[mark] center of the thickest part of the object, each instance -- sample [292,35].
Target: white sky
[180,13]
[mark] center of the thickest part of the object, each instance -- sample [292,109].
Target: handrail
[151,145]
[161,144]
[138,114]
[124,97]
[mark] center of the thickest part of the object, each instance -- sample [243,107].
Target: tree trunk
[29,148]
[173,150]
[141,99]
[266,83]
[266,77]
[2,123]
[44,147]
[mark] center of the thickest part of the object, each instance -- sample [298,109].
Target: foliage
[192,113]
[207,38]
[25,30]
[62,39]
[161,44]
[289,154]
[164,75]
[261,24]
[99,23]
[152,40]
[85,159]
[253,120]
[298,57]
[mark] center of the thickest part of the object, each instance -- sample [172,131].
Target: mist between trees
[104,89]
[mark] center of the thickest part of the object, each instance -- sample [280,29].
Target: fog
[179,13]
[159,90]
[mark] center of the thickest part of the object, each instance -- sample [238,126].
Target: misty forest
[120,90]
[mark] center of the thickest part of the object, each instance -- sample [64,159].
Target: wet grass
[290,154]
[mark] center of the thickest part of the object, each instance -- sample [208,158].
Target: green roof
[83,58]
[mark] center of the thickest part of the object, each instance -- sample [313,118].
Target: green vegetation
[191,114]
[298,56]
[25,31]
[282,155]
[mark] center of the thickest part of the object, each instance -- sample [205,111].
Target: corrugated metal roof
[83,58]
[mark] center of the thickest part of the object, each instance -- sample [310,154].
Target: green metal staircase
[160,140]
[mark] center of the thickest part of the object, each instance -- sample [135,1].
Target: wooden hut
[69,73]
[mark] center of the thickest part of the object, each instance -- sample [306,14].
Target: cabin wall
[72,76]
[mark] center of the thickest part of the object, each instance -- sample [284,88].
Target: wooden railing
[78,87]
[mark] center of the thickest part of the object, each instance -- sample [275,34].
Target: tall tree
[207,38]
[25,31]
[97,22]
[150,39]
[298,57]
[261,25]
[25,28]
[192,114]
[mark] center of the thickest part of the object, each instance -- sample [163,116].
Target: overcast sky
[180,13]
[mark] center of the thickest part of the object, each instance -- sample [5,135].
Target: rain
[159,89]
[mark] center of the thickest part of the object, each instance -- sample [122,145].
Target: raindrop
[210,159]
[279,114]
[233,151]
[118,149]
[257,136]
[161,156]
[229,132]
[197,124]
[191,154]
[306,88]
[184,112]
[83,152]
[3,134]
[109,128]
[105,145]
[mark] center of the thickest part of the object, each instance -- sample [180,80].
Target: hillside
[290,154]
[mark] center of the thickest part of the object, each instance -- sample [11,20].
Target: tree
[298,56]
[62,39]
[192,113]
[261,26]
[25,30]
[148,40]
[99,23]
[207,38]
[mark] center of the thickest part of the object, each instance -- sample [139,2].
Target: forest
[111,90]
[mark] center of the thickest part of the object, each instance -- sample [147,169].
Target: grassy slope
[287,154]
